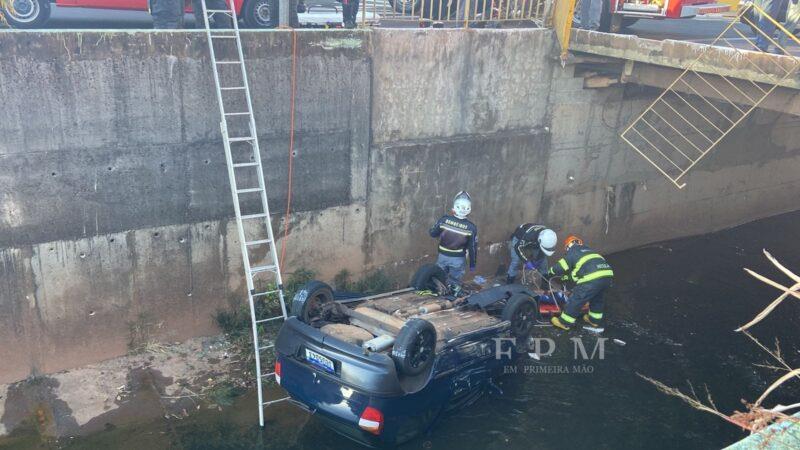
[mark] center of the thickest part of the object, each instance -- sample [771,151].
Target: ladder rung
[240,139]
[266,375]
[270,319]
[238,114]
[258,242]
[233,88]
[248,164]
[227,62]
[244,191]
[224,36]
[261,294]
[225,11]
[253,216]
[266,346]
[274,401]
[258,269]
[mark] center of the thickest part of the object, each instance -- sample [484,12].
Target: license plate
[319,361]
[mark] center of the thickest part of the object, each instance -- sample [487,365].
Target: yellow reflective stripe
[563,263]
[583,261]
[596,275]
[595,315]
[567,318]
[450,249]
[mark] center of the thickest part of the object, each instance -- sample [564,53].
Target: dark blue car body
[462,371]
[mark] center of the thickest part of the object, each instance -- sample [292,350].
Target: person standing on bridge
[773,8]
[590,13]
[592,276]
[792,20]
[458,238]
[167,14]
[530,245]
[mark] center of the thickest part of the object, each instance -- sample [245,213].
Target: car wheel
[308,302]
[26,13]
[257,14]
[628,21]
[520,310]
[414,347]
[605,17]
[406,7]
[430,277]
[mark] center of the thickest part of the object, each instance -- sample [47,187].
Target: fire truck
[618,14]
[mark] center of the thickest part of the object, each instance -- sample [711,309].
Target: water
[675,305]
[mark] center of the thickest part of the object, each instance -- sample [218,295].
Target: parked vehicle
[35,13]
[382,369]
[618,14]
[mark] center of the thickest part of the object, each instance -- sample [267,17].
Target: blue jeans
[792,20]
[591,10]
[516,261]
[455,266]
[773,8]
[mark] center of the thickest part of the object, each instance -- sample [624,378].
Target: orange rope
[291,149]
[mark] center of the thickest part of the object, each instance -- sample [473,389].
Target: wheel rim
[521,322]
[313,308]
[24,10]
[262,14]
[422,351]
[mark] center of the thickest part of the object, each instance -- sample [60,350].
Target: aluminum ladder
[235,173]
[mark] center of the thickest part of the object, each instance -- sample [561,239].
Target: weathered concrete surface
[722,60]
[114,201]
[164,382]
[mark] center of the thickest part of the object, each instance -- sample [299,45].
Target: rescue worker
[167,14]
[591,274]
[458,238]
[530,244]
[216,20]
[349,12]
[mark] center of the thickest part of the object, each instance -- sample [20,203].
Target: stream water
[674,305]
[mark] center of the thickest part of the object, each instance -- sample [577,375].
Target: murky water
[675,306]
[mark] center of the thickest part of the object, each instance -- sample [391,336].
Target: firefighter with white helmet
[530,245]
[458,238]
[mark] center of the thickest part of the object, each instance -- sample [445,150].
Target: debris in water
[594,329]
[535,356]
[479,279]
[619,342]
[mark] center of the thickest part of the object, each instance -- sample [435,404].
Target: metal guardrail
[698,110]
[453,12]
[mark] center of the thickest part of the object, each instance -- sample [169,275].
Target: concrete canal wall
[114,199]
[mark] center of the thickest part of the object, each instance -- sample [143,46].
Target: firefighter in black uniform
[591,274]
[530,245]
[458,238]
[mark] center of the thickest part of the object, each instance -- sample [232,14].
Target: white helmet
[548,241]
[462,205]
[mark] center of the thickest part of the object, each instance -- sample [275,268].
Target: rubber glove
[530,265]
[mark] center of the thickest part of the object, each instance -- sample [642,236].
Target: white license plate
[320,361]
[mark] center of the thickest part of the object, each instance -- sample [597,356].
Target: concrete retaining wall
[114,201]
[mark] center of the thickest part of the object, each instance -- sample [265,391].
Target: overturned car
[381,369]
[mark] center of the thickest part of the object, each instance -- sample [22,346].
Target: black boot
[510,279]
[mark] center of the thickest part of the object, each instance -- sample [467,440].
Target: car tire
[28,14]
[257,14]
[429,277]
[605,17]
[628,21]
[414,347]
[407,7]
[308,301]
[521,311]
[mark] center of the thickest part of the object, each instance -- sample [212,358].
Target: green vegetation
[373,283]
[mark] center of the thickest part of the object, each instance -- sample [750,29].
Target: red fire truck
[34,13]
[618,14]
